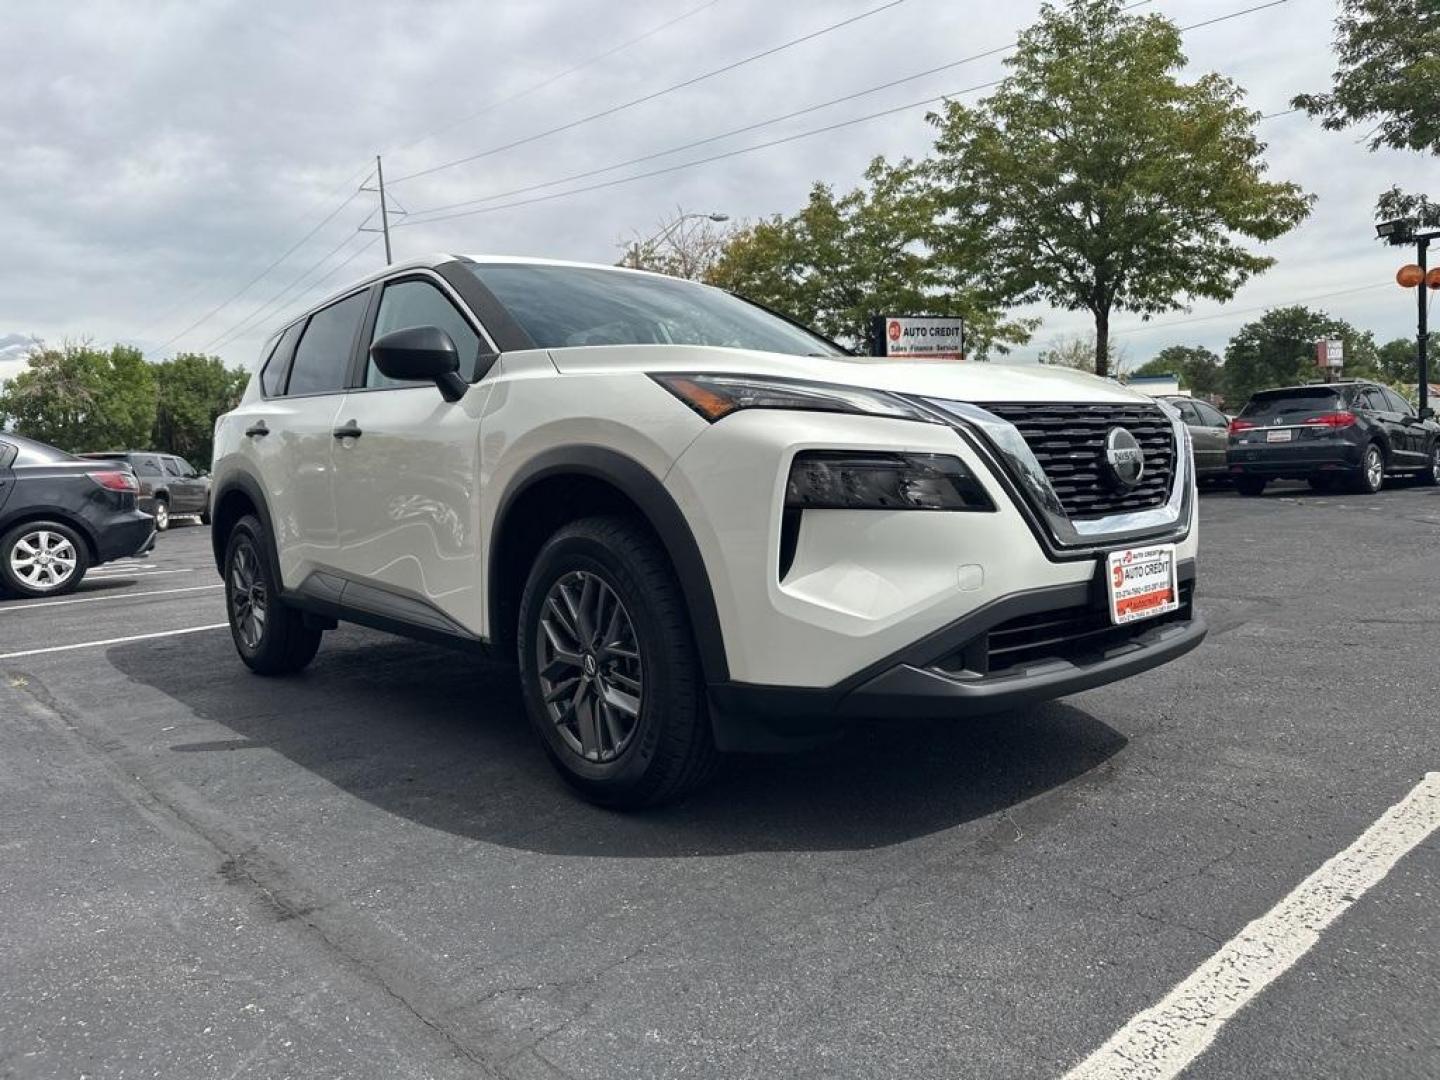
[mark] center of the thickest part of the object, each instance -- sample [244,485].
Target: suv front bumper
[1066,645]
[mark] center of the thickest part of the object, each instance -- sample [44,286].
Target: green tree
[1099,181]
[1078,351]
[842,259]
[1198,368]
[1388,78]
[192,390]
[78,397]
[1278,349]
[1398,361]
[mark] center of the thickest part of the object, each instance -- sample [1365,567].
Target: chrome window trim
[1171,520]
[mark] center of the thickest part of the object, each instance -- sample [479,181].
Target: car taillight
[115,481]
[1240,425]
[1338,419]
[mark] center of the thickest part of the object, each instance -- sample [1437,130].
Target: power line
[613,109]
[1147,327]
[527,91]
[758,146]
[256,279]
[723,135]
[265,309]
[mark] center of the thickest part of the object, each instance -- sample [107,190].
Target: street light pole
[1422,343]
[640,246]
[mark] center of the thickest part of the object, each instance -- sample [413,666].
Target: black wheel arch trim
[247,485]
[662,513]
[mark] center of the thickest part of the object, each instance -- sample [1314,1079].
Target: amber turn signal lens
[1409,276]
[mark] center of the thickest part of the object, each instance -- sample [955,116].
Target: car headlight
[717,396]
[882,480]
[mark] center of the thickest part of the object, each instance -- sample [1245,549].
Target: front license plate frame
[1141,583]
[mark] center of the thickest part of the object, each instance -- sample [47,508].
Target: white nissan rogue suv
[697,526]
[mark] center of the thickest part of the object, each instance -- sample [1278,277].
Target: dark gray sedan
[1209,434]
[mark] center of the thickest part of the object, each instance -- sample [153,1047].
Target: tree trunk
[1102,342]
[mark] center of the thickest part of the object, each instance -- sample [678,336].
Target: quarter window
[145,465]
[405,304]
[171,468]
[322,359]
[272,378]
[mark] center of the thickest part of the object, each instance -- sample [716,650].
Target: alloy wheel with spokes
[43,560]
[1374,468]
[162,515]
[591,672]
[248,600]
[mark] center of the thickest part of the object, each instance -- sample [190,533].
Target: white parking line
[114,596]
[1161,1041]
[111,641]
[137,572]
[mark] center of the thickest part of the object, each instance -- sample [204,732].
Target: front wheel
[270,636]
[42,558]
[610,674]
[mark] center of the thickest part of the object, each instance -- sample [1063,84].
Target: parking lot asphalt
[369,870]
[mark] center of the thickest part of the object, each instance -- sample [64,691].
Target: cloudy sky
[157,158]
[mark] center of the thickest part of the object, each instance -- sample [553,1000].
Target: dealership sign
[1330,354]
[917,337]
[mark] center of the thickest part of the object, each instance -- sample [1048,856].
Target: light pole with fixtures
[638,248]
[1419,277]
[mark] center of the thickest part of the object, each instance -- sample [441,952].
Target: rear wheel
[42,558]
[162,515]
[610,674]
[1249,485]
[1370,477]
[270,636]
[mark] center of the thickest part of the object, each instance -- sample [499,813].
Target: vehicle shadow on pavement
[441,739]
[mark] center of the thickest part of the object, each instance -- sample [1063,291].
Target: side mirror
[419,353]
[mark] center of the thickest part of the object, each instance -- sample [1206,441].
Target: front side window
[564,306]
[322,358]
[406,304]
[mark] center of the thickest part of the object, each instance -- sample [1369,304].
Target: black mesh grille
[1079,634]
[1069,442]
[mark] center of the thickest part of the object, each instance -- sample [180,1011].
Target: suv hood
[975,382]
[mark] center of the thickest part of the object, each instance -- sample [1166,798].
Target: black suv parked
[1323,433]
[169,485]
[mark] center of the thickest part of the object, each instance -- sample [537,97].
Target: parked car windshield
[565,306]
[1300,399]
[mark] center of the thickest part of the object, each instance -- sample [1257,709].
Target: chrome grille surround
[1018,464]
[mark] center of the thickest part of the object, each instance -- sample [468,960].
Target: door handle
[348,430]
[256,429]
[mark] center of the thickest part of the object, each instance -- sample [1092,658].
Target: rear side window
[1397,403]
[277,366]
[322,359]
[1373,400]
[419,303]
[1304,400]
[172,467]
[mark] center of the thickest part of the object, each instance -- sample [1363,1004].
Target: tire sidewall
[246,532]
[562,555]
[15,586]
[1372,450]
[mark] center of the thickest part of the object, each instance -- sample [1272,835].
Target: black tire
[42,558]
[162,514]
[204,517]
[278,642]
[1370,477]
[1431,477]
[1249,485]
[664,748]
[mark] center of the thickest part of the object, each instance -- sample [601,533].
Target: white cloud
[157,159]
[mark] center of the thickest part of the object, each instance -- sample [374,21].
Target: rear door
[289,433]
[407,479]
[1372,403]
[1414,433]
[184,492]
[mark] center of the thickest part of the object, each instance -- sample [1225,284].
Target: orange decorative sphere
[1409,276]
[1432,279]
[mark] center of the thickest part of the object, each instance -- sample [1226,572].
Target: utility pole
[1422,343]
[384,229]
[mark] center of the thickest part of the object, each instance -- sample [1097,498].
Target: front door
[407,479]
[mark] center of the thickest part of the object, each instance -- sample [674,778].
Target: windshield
[1303,399]
[564,306]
